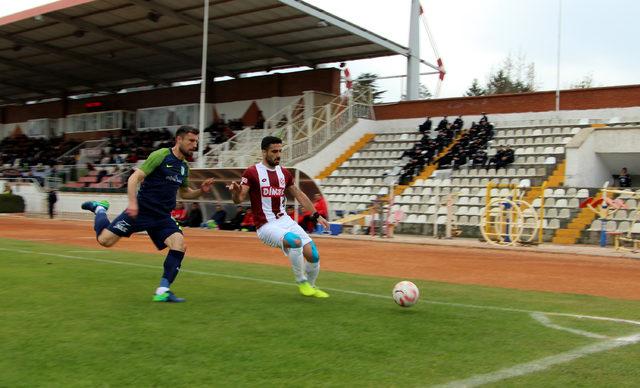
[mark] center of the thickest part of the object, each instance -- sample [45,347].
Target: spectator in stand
[239,217]
[291,211]
[443,124]
[234,223]
[219,216]
[510,155]
[495,160]
[195,216]
[459,159]
[179,214]
[503,157]
[101,174]
[458,123]
[260,121]
[283,121]
[479,158]
[484,119]
[624,179]
[106,158]
[132,158]
[308,222]
[426,126]
[247,224]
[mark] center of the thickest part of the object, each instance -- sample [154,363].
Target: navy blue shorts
[158,227]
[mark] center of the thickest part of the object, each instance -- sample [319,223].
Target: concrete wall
[578,99]
[70,202]
[35,201]
[594,154]
[584,167]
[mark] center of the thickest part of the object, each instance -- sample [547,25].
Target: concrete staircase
[355,147]
[573,231]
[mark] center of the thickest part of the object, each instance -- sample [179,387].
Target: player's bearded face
[188,144]
[273,154]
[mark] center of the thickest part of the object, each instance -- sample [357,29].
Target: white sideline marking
[88,251]
[473,381]
[545,321]
[543,363]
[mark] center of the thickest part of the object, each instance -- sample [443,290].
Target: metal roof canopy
[78,46]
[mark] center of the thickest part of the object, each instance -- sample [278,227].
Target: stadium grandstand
[90,88]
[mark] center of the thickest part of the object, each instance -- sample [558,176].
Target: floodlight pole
[203,82]
[413,59]
[558,57]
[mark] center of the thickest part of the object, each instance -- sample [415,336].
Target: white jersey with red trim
[267,191]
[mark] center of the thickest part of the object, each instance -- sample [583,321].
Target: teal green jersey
[165,174]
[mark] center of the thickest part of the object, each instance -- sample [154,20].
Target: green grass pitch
[71,316]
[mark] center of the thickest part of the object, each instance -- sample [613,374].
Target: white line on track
[473,381]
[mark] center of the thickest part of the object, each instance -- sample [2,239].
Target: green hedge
[10,203]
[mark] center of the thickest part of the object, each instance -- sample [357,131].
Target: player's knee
[292,240]
[106,241]
[315,255]
[176,242]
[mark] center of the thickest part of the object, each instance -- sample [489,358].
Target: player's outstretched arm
[132,190]
[189,193]
[307,204]
[238,192]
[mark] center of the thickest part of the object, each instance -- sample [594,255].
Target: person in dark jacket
[52,198]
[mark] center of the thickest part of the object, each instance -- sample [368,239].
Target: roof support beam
[215,29]
[79,58]
[27,87]
[89,27]
[30,68]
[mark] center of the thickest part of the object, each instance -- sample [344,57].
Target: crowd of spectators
[22,151]
[241,220]
[472,147]
[424,150]
[222,130]
[132,145]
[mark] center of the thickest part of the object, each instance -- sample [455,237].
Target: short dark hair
[183,130]
[268,140]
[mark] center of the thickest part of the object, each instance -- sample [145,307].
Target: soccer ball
[406,294]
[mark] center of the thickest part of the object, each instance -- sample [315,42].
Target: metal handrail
[301,136]
[85,144]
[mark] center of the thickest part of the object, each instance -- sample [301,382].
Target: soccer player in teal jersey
[161,176]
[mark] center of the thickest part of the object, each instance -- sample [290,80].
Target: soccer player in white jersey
[266,184]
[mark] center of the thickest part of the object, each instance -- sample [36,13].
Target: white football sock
[312,270]
[161,290]
[100,209]
[296,259]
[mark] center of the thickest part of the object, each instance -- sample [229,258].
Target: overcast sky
[599,38]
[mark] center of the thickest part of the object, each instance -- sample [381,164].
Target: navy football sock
[171,267]
[101,221]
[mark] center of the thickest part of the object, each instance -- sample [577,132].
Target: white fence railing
[304,130]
